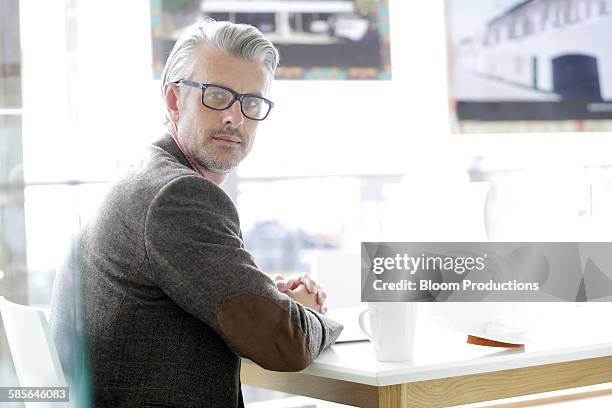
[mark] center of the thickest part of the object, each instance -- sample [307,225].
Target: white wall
[359,127]
[317,127]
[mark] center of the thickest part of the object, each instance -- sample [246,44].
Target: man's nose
[233,115]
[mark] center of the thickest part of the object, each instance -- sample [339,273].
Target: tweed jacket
[170,299]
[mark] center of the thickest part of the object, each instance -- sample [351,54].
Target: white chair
[35,357]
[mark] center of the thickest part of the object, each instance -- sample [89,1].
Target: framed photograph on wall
[317,39]
[530,64]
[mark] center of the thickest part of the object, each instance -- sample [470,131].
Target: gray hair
[240,40]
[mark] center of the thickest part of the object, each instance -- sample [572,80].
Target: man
[171,300]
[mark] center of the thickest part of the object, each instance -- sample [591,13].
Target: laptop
[349,318]
[339,273]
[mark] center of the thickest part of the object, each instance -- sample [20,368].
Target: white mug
[392,329]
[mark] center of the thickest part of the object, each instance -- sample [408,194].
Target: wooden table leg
[392,396]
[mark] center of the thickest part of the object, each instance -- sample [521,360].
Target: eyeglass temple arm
[189,83]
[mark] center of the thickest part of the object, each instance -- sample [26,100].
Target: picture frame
[529,65]
[319,40]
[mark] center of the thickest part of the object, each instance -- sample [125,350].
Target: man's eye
[217,95]
[252,102]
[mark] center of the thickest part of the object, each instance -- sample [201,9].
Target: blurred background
[337,162]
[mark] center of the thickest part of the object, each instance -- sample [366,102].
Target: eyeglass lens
[219,98]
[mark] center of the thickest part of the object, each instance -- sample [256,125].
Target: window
[13,262]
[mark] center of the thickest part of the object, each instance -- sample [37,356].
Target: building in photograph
[547,50]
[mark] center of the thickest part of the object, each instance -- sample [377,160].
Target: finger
[310,284]
[321,296]
[280,282]
[293,283]
[290,294]
[281,286]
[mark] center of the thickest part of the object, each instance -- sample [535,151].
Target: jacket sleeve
[196,256]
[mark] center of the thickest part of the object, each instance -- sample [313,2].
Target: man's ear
[171,98]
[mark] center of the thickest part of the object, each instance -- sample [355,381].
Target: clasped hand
[304,290]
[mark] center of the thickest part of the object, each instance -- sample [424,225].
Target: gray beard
[208,162]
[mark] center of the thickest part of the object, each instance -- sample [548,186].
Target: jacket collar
[167,143]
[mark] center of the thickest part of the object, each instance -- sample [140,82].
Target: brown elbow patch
[263,332]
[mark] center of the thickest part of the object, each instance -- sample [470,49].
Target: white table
[570,349]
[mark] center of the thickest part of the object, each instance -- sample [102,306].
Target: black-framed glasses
[218,97]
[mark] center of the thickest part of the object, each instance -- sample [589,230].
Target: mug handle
[363,327]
